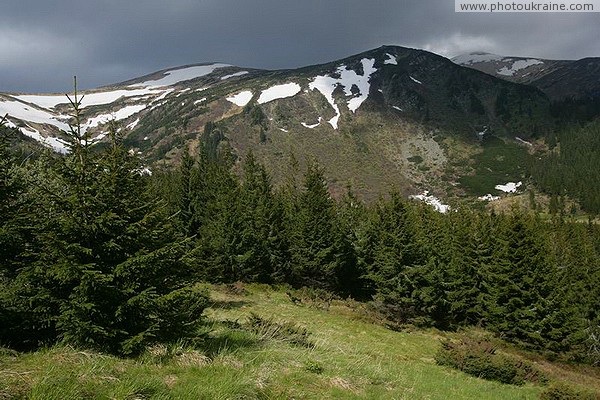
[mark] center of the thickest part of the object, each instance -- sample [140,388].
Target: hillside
[353,357]
[559,79]
[389,117]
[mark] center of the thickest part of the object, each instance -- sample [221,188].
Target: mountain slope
[559,79]
[389,117]
[354,357]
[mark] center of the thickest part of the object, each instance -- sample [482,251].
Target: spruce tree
[11,185]
[313,241]
[109,272]
[396,254]
[519,280]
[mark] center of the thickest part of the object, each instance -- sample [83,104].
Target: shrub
[480,359]
[563,392]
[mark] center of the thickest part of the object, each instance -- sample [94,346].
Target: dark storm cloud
[44,43]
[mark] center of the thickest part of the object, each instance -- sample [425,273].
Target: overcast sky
[43,43]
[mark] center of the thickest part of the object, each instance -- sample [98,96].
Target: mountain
[559,79]
[513,69]
[392,117]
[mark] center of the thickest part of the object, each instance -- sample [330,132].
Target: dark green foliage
[502,105]
[499,162]
[476,105]
[581,109]
[313,239]
[11,206]
[257,115]
[572,168]
[564,392]
[395,257]
[519,281]
[106,268]
[96,254]
[10,235]
[210,140]
[480,359]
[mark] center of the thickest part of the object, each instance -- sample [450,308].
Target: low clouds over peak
[42,44]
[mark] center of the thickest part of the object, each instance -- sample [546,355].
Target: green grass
[350,357]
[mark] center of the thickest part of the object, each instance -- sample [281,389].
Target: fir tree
[313,241]
[395,255]
[520,287]
[109,272]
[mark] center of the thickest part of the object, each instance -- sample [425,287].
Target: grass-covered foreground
[256,347]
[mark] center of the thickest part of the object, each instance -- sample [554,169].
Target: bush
[180,312]
[564,392]
[479,358]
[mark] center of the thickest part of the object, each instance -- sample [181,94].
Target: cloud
[43,43]
[459,43]
[22,48]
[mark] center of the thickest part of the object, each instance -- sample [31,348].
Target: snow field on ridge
[279,92]
[348,78]
[180,75]
[241,99]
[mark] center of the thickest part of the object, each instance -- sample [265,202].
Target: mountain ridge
[386,117]
[559,79]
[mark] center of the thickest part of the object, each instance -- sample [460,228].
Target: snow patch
[144,171]
[415,80]
[347,80]
[133,125]
[517,66]
[164,94]
[488,197]
[326,85]
[28,113]
[313,125]
[199,101]
[510,187]
[476,57]
[234,75]
[89,99]
[481,134]
[101,136]
[123,113]
[56,144]
[8,123]
[183,91]
[390,60]
[180,75]
[241,99]
[397,108]
[279,92]
[432,201]
[283,130]
[525,142]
